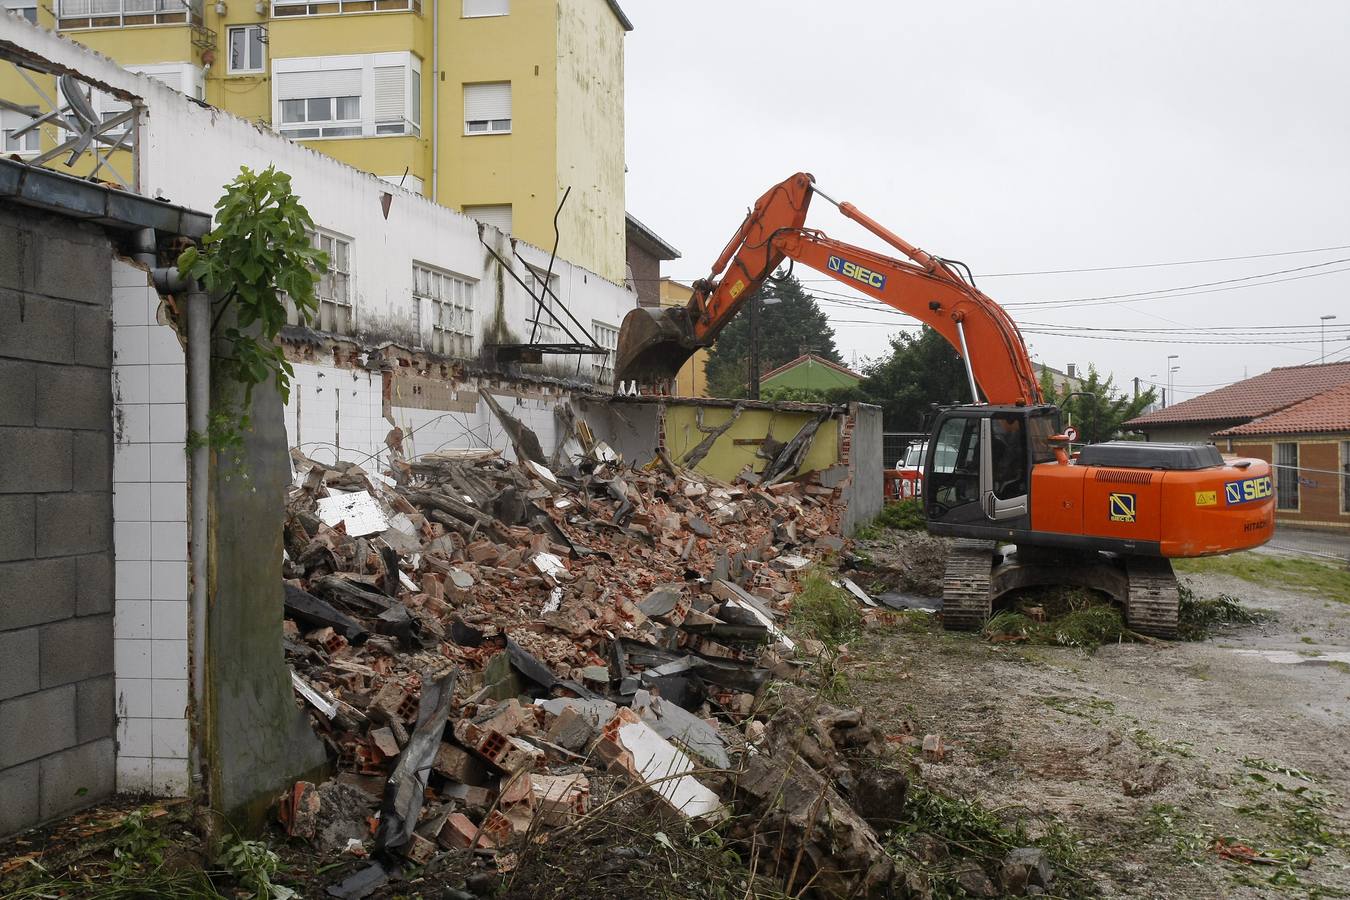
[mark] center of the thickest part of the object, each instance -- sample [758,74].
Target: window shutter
[486,8]
[487,101]
[498,216]
[389,102]
[169,79]
[303,85]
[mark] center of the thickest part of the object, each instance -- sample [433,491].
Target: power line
[1118,268]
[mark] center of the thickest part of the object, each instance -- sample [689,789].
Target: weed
[1150,743]
[1197,618]
[1307,640]
[902,515]
[1342,667]
[972,831]
[824,612]
[1089,708]
[1306,575]
[253,865]
[1086,626]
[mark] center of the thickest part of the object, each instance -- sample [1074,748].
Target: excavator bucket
[653,344]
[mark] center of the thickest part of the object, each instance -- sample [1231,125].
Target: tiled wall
[150,537]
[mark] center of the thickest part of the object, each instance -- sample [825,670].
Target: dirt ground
[1149,753]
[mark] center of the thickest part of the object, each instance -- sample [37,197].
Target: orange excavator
[997,471]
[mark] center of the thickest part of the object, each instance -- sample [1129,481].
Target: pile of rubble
[477,639]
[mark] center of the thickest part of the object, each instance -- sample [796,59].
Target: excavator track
[966,604]
[1153,601]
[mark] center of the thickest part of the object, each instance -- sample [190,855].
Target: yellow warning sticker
[736,289]
[1206,498]
[1122,507]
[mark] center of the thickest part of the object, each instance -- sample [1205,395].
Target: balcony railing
[119,13]
[287,8]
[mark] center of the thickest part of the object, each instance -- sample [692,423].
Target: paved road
[1303,542]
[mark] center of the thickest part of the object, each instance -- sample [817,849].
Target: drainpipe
[435,100]
[167,280]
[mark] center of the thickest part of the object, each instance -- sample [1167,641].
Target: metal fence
[893,445]
[1320,497]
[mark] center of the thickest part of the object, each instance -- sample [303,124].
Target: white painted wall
[189,152]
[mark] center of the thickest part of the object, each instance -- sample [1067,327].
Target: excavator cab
[977,474]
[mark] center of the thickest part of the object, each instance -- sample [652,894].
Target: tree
[1095,409]
[787,328]
[921,370]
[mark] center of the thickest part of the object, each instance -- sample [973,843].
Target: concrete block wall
[149,479]
[56,519]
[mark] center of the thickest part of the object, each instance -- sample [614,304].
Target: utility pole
[754,347]
[1170,369]
[1136,386]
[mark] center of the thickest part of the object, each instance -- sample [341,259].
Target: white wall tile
[164,346]
[131,462]
[168,462]
[168,501]
[125,273]
[167,384]
[169,738]
[131,344]
[131,620]
[131,423]
[169,659]
[168,619]
[131,306]
[168,540]
[132,502]
[131,658]
[132,581]
[169,777]
[135,737]
[168,580]
[168,423]
[135,699]
[133,773]
[131,384]
[131,540]
[169,698]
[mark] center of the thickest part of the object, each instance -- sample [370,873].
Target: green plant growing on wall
[258,256]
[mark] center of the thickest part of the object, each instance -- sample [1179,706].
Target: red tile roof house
[1296,417]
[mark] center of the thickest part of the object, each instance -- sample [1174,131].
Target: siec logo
[857,272]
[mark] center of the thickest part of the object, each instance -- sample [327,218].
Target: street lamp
[1324,337]
[1170,369]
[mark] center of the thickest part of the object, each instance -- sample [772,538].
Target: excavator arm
[655,343]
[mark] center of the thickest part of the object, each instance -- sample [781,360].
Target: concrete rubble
[477,641]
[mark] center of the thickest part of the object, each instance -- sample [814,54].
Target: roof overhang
[619,14]
[39,188]
[649,240]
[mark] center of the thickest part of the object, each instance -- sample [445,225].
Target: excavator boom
[655,343]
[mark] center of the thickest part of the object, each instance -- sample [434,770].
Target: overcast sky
[1025,136]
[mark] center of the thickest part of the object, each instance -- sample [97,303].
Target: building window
[1286,476]
[337,7]
[246,50]
[498,215]
[474,9]
[115,13]
[347,96]
[448,302]
[25,8]
[1345,476]
[487,108]
[333,290]
[543,326]
[13,123]
[607,336]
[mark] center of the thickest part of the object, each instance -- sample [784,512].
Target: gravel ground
[1150,752]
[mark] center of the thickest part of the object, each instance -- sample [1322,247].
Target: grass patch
[1062,616]
[902,515]
[1197,619]
[970,831]
[823,612]
[1305,575]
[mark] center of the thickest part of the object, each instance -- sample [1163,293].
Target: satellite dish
[73,92]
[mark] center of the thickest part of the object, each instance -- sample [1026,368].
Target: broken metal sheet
[541,470]
[359,510]
[313,697]
[596,711]
[774,631]
[549,564]
[858,593]
[682,727]
[308,609]
[902,601]
[403,792]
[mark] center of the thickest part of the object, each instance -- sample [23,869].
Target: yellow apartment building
[492,107]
